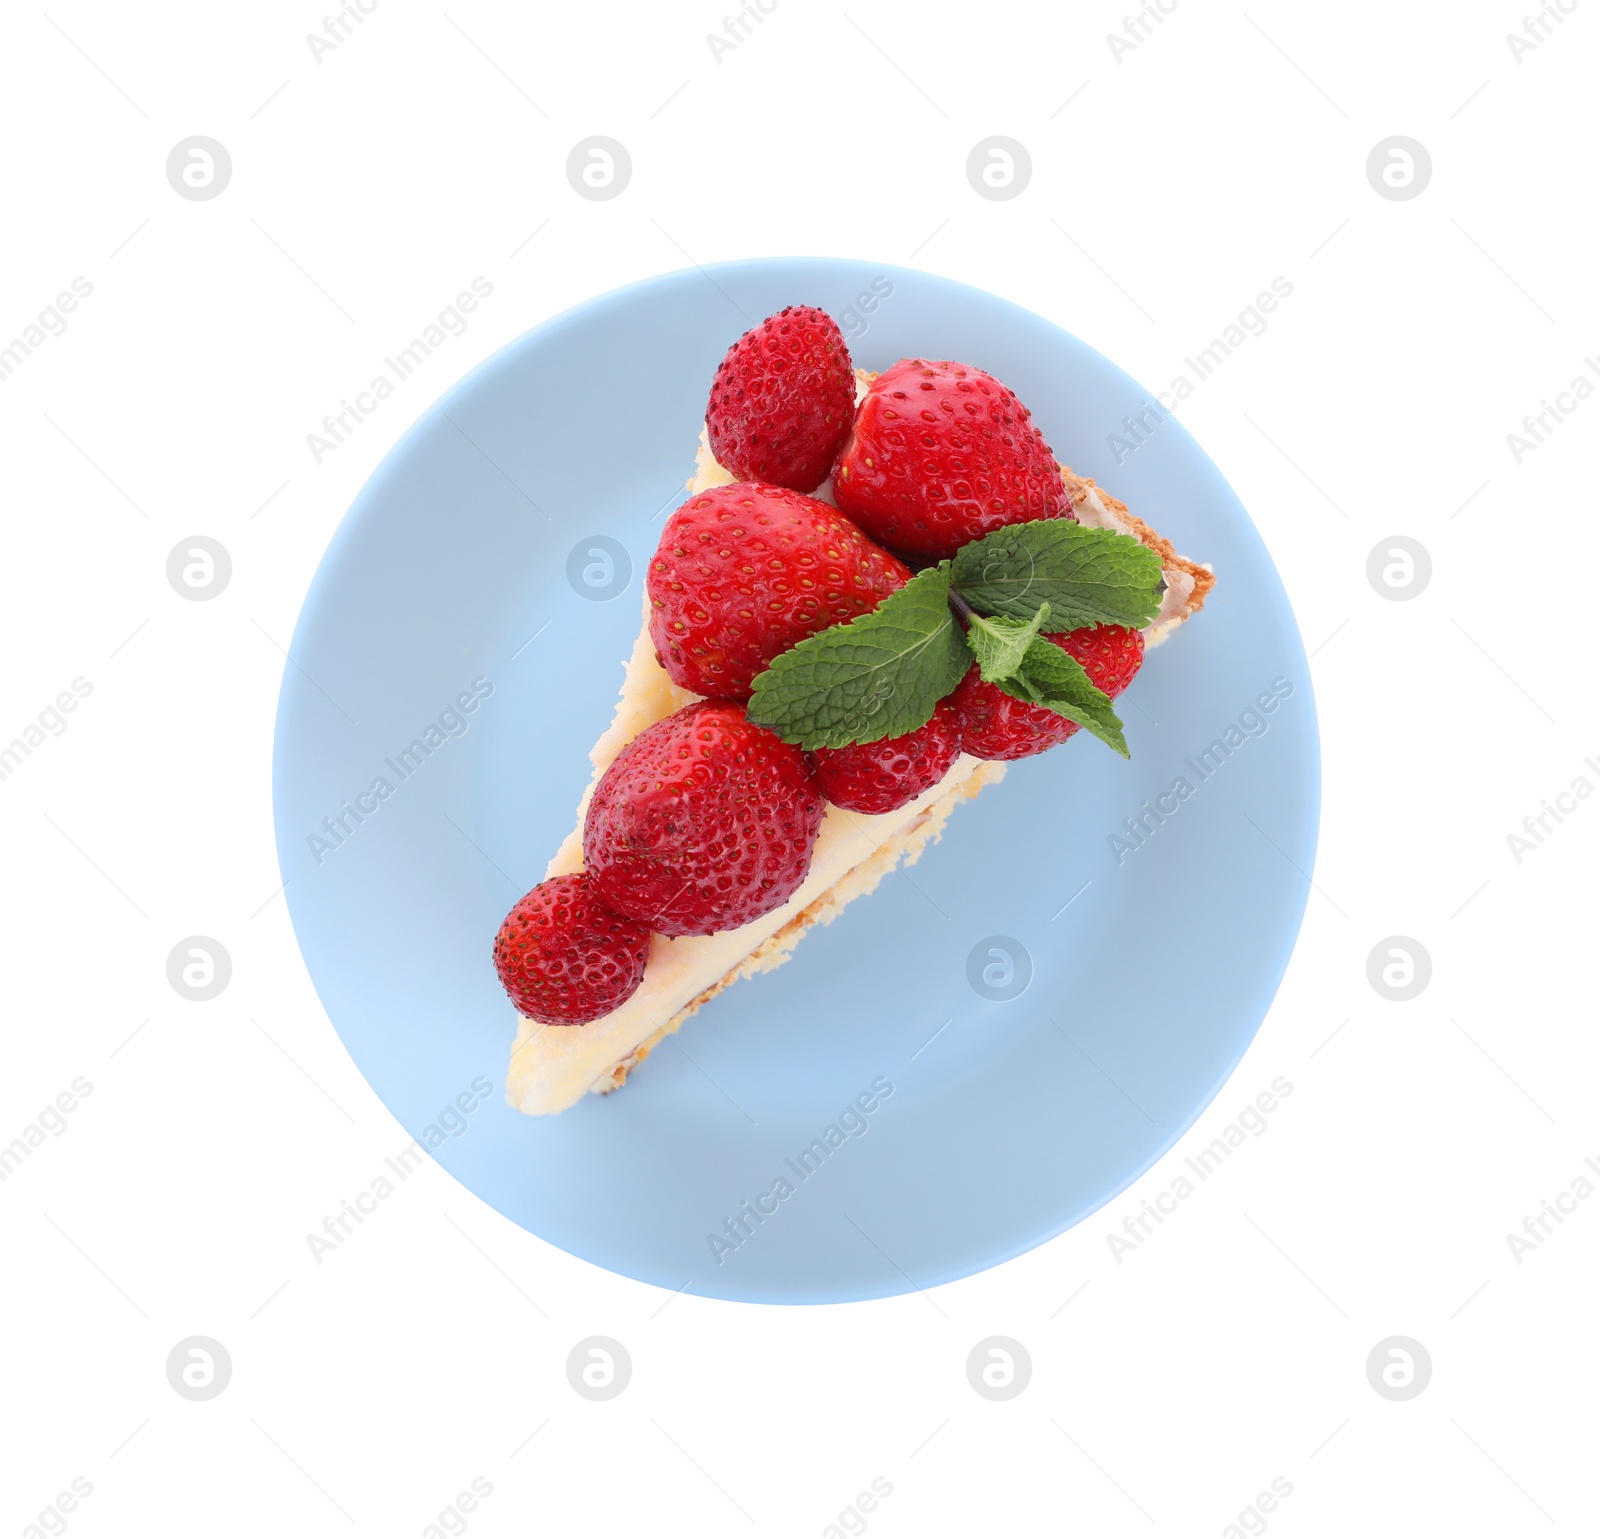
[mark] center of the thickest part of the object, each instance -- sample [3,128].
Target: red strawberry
[940,454]
[995,725]
[702,823]
[564,957]
[782,400]
[745,571]
[881,776]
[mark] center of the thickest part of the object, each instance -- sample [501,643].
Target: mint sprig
[883,674]
[1048,676]
[1001,644]
[874,677]
[1087,576]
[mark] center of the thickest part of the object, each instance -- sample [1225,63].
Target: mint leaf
[1086,576]
[1054,678]
[1000,644]
[873,677]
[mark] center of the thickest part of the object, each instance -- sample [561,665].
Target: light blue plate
[1147,968]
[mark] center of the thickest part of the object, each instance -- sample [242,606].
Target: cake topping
[940,454]
[883,776]
[565,957]
[872,678]
[1086,576]
[782,400]
[882,675]
[1004,721]
[702,823]
[745,571]
[828,669]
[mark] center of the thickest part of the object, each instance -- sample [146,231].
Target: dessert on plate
[880,590]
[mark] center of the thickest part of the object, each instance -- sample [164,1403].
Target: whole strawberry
[940,454]
[995,725]
[565,957]
[745,571]
[702,823]
[782,400]
[883,776]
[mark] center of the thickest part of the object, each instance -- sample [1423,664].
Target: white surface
[1177,1383]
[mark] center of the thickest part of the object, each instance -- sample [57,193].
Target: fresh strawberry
[1111,654]
[940,454]
[995,725]
[565,957]
[782,400]
[702,823]
[881,776]
[745,571]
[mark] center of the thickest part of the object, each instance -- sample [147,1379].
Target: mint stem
[964,611]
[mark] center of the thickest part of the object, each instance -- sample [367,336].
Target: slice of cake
[672,970]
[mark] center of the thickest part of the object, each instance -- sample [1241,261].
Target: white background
[1169,186]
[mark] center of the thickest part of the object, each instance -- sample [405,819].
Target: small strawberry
[995,725]
[565,957]
[882,776]
[940,454]
[702,823]
[1111,654]
[745,571]
[782,400]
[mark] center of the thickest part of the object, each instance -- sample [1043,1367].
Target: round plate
[1032,1014]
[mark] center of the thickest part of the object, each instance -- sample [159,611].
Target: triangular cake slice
[553,1067]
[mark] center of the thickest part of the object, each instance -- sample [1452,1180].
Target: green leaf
[1000,644]
[1054,678]
[1086,576]
[873,677]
